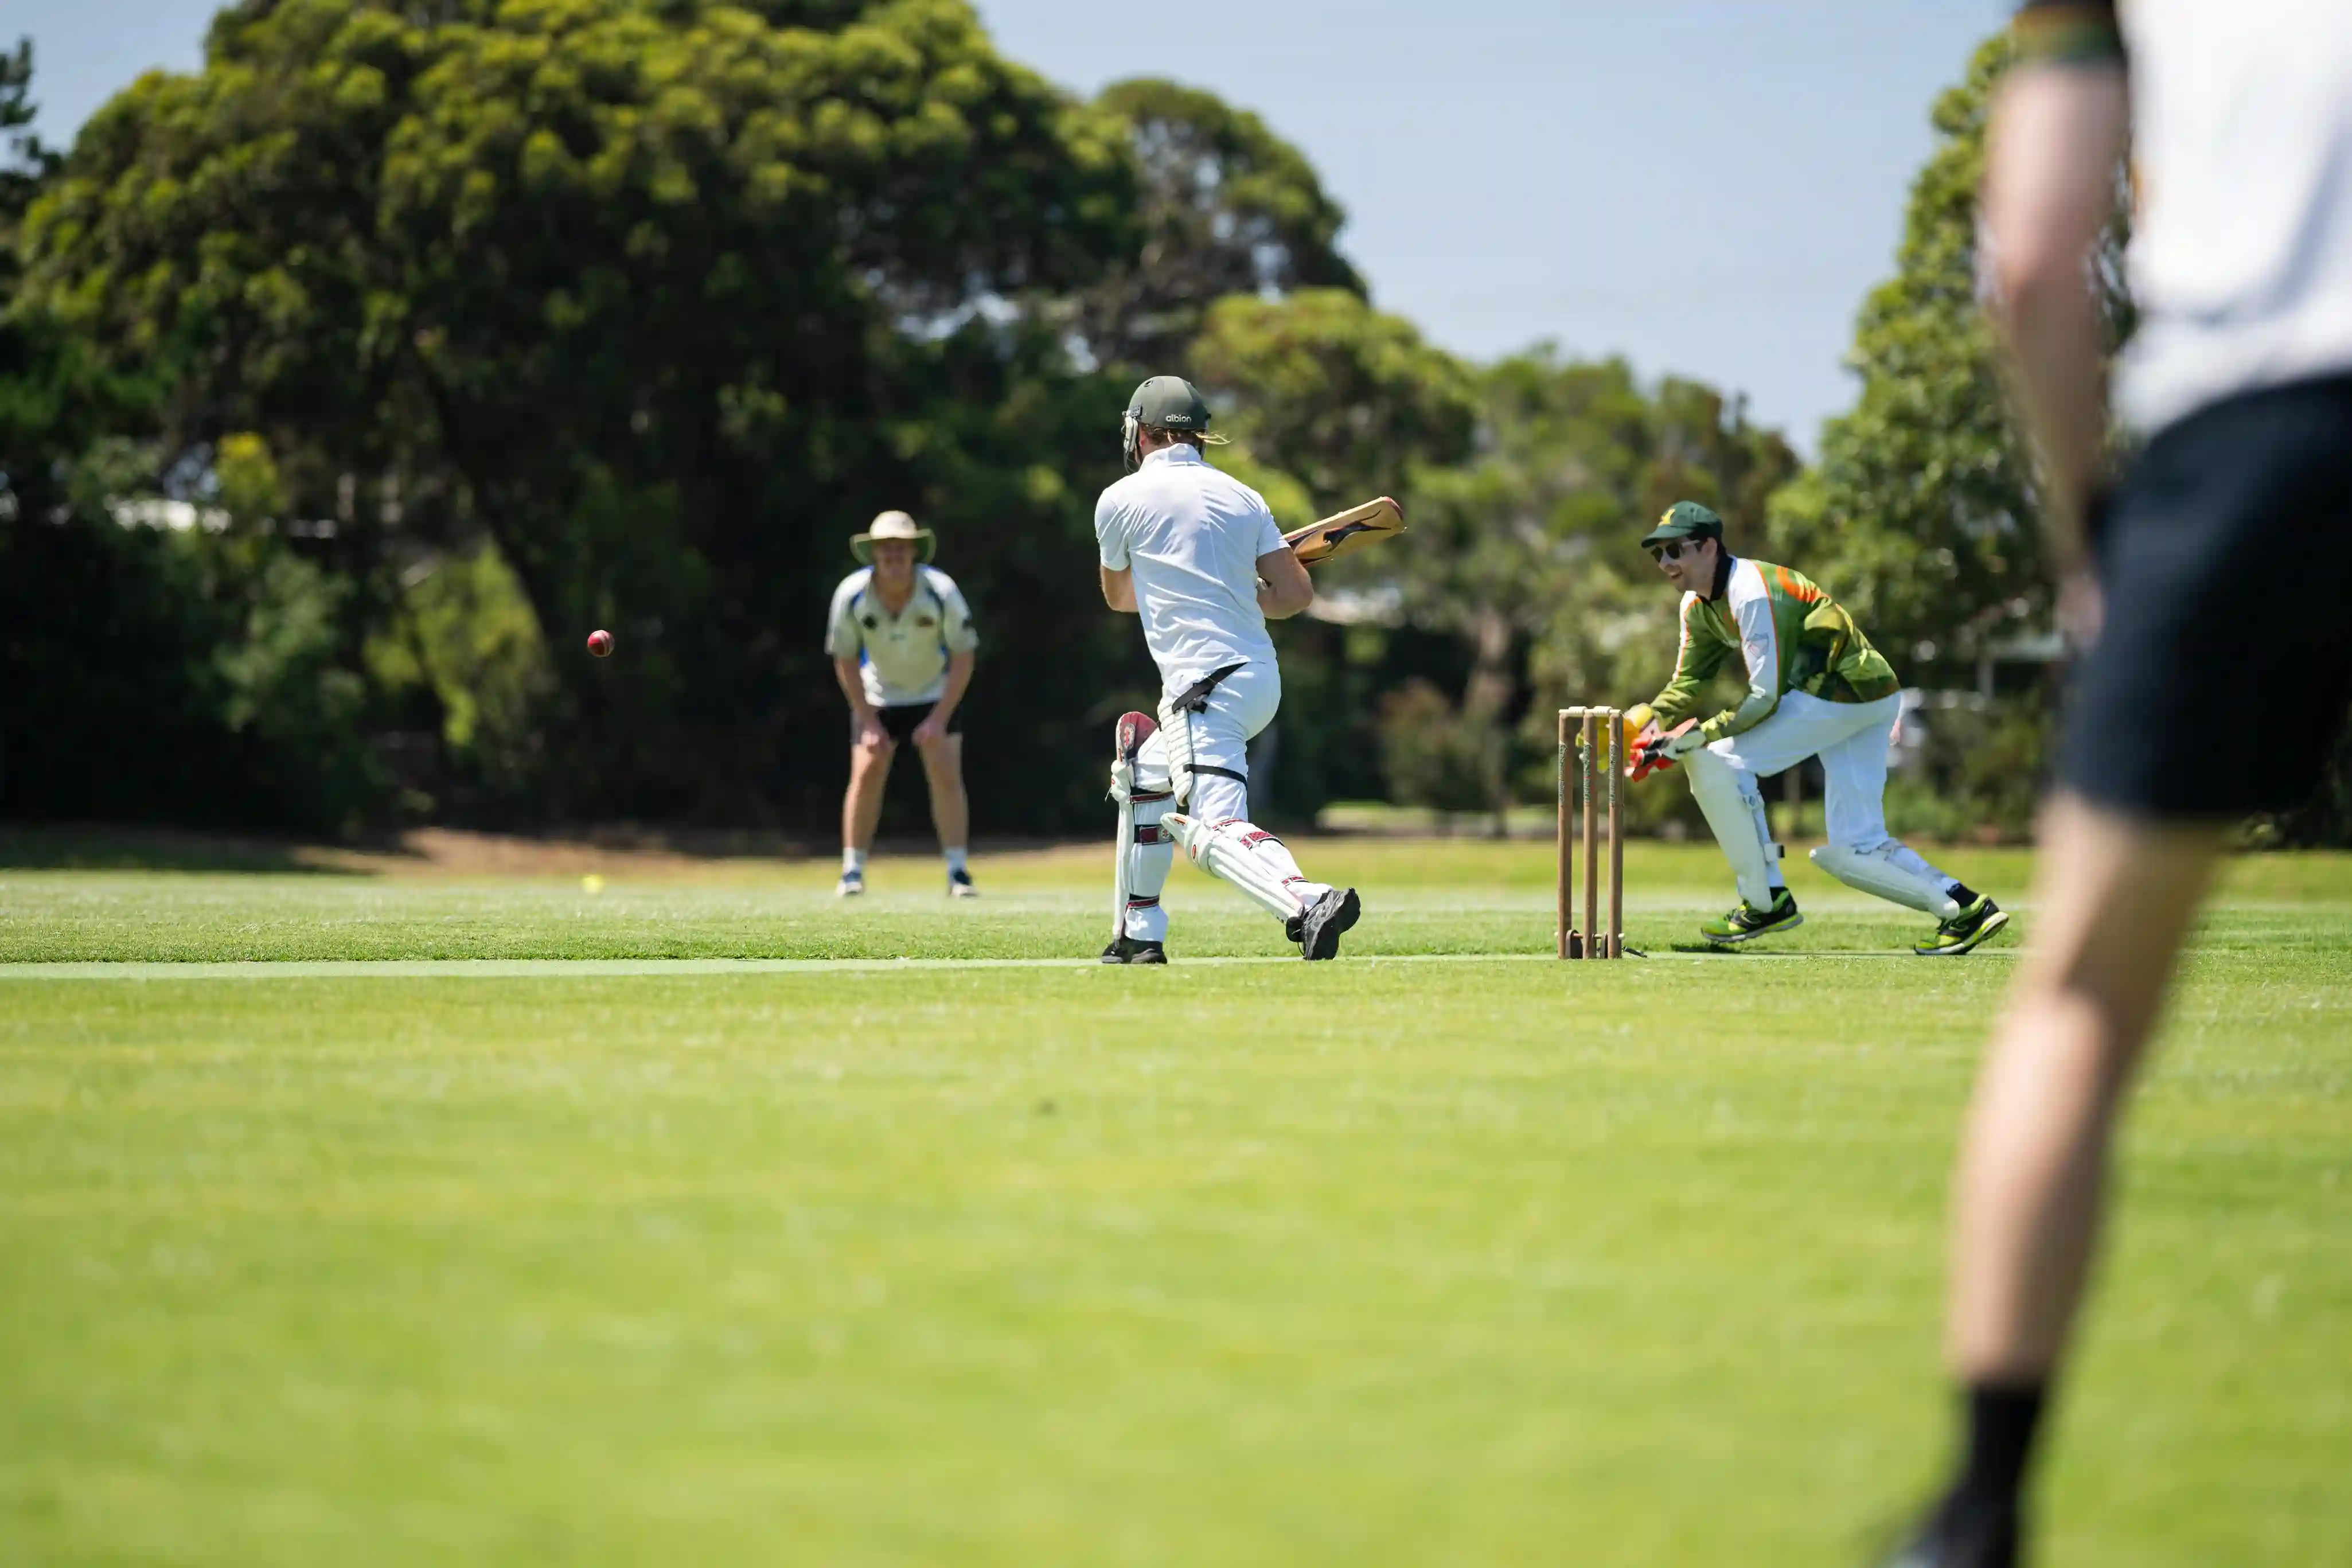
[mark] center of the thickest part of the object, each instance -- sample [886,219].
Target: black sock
[2002,1422]
[1962,894]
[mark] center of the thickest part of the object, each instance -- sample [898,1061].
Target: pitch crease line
[590,968]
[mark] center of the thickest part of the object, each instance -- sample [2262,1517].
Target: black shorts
[900,722]
[2223,668]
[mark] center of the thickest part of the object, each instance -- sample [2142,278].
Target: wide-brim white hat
[892,525]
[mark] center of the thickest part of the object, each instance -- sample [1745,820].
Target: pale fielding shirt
[902,658]
[2241,256]
[1191,535]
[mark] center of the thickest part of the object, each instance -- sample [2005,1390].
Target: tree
[1348,400]
[659,299]
[1920,513]
[31,358]
[1225,207]
[1523,485]
[1331,402]
[1527,554]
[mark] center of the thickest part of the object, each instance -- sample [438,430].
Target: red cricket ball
[600,643]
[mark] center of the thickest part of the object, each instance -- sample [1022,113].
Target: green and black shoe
[1747,922]
[1964,930]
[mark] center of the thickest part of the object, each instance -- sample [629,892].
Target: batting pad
[1144,851]
[1249,858]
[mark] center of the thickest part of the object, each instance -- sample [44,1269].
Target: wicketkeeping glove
[1650,748]
[1684,739]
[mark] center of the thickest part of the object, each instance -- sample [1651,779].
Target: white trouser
[1852,740]
[1242,704]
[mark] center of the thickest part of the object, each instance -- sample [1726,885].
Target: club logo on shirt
[925,622]
[869,620]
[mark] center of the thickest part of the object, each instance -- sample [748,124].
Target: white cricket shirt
[1191,535]
[902,658]
[2242,248]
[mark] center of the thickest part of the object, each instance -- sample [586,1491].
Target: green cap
[1168,402]
[1685,520]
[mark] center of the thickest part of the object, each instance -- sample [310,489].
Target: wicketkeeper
[1815,688]
[1196,554]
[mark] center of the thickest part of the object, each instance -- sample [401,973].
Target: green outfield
[322,1241]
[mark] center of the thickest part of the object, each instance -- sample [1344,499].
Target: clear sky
[1706,186]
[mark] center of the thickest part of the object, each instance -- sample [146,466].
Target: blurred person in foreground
[902,644]
[2240,383]
[1816,688]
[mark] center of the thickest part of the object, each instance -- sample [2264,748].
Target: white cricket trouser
[1852,740]
[1243,703]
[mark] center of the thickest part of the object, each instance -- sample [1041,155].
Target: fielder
[1815,688]
[902,644]
[1196,554]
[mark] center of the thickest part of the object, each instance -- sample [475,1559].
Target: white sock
[853,860]
[955,858]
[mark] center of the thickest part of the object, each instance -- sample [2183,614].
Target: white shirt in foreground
[903,658]
[1192,536]
[2241,249]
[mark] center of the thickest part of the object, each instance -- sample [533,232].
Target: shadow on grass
[95,848]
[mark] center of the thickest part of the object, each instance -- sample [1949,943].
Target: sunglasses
[1673,550]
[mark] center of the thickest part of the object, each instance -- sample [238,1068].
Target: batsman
[1197,555]
[1816,688]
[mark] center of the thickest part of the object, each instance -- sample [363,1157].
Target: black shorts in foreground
[900,722]
[2223,668]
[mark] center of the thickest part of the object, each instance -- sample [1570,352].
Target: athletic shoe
[1126,950]
[1963,1534]
[1747,922]
[1964,930]
[1319,928]
[960,885]
[852,883]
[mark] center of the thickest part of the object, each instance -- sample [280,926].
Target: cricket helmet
[1162,403]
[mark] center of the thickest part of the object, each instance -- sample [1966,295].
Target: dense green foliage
[347,382]
[656,301]
[1923,496]
[507,320]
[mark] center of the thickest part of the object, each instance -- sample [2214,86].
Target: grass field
[322,1241]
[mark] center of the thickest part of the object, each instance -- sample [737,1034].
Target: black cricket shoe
[1965,1532]
[1126,950]
[1321,927]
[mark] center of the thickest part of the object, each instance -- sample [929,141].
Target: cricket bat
[1359,525]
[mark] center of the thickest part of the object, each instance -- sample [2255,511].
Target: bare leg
[951,811]
[861,807]
[2116,897]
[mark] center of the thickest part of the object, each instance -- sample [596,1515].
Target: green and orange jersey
[1789,635]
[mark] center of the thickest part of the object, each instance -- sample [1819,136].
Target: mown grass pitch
[1479,1259]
